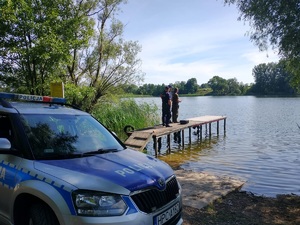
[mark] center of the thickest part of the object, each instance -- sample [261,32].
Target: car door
[9,164]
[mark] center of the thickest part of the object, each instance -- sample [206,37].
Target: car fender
[48,194]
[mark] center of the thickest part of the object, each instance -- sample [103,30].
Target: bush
[115,116]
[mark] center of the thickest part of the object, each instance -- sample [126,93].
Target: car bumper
[168,215]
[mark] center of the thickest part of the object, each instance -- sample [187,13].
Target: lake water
[261,144]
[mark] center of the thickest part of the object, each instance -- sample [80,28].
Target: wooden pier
[138,139]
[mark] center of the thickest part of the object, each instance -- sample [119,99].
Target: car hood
[113,172]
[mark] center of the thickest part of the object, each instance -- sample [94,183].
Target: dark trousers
[166,114]
[175,113]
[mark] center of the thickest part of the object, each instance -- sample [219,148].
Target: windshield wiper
[101,151]
[53,156]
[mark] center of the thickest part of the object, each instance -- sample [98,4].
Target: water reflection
[45,140]
[190,152]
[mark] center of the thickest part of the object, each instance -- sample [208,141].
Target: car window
[5,127]
[51,135]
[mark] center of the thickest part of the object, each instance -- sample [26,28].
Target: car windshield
[61,136]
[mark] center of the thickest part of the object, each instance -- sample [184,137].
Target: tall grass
[117,115]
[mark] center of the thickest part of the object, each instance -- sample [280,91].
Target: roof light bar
[36,98]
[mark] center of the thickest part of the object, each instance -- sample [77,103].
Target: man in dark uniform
[166,107]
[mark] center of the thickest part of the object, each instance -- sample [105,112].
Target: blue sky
[183,39]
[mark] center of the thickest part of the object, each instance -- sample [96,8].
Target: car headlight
[90,203]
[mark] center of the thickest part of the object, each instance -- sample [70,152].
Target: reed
[115,116]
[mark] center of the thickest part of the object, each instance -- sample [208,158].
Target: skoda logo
[161,182]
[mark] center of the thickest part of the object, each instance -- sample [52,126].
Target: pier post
[155,145]
[200,132]
[182,139]
[169,142]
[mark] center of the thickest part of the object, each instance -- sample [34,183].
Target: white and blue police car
[60,166]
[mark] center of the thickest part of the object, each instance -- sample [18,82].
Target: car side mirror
[5,144]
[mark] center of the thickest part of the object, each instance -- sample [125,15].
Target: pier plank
[138,140]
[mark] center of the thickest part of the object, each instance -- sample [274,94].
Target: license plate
[167,215]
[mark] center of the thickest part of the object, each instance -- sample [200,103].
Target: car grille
[153,199]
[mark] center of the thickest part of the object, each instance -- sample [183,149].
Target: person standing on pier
[171,94]
[170,90]
[175,105]
[175,108]
[166,107]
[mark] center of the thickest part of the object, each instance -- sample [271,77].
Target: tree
[130,88]
[36,38]
[148,89]
[245,88]
[221,86]
[181,85]
[191,86]
[275,23]
[233,86]
[284,79]
[218,85]
[77,42]
[263,76]
[272,78]
[108,63]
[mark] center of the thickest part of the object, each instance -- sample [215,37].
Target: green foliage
[36,38]
[204,91]
[109,62]
[215,86]
[275,23]
[272,78]
[116,115]
[181,85]
[293,67]
[221,86]
[79,95]
[191,86]
[218,85]
[44,41]
[147,89]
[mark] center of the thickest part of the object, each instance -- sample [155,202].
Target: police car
[60,166]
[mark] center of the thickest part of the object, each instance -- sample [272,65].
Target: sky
[184,39]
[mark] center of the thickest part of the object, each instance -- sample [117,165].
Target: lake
[261,144]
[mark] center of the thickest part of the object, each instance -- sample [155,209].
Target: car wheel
[41,214]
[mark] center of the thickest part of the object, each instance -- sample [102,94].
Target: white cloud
[258,57]
[191,39]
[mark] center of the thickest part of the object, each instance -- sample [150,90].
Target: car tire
[41,214]
[128,129]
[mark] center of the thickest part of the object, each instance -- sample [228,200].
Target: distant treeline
[270,79]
